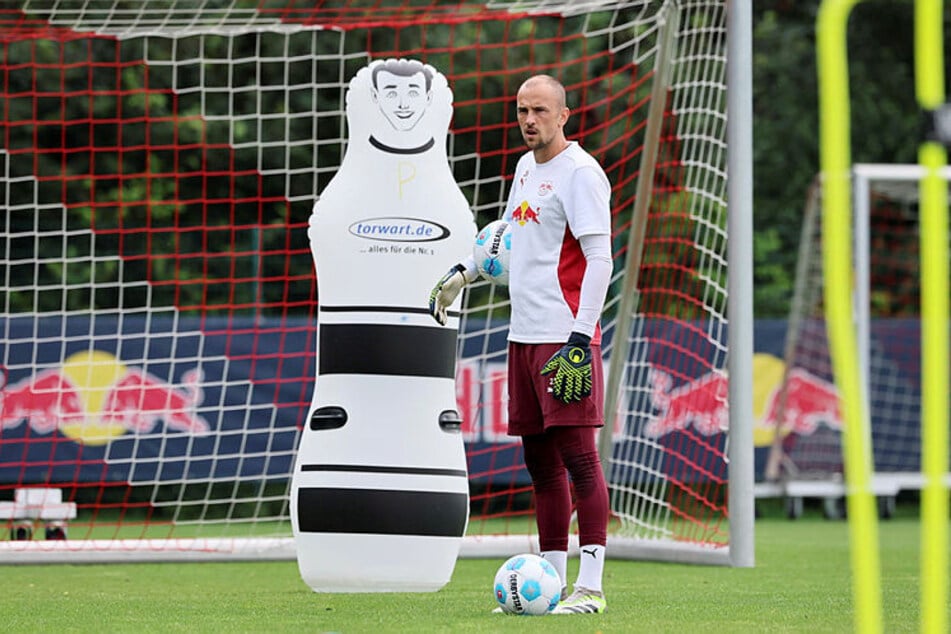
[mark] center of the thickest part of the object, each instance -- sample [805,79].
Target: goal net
[159,164]
[806,455]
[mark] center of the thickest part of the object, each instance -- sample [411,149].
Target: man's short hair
[557,87]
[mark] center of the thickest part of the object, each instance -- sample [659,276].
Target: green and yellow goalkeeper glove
[571,366]
[445,293]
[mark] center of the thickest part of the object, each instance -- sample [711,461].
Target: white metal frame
[884,485]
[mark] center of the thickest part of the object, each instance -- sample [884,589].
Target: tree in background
[885,120]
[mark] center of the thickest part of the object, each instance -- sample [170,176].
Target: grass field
[800,584]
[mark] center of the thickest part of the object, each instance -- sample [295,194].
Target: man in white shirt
[560,216]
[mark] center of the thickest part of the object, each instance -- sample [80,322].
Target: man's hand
[571,366]
[445,293]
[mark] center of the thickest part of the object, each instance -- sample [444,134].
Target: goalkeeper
[560,267]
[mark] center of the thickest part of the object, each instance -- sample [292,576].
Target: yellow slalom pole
[932,155]
[835,158]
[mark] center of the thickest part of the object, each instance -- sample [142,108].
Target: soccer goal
[806,455]
[159,164]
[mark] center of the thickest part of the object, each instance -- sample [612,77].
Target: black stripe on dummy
[382,512]
[357,468]
[324,308]
[387,349]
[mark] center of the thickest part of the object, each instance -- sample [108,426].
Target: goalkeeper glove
[571,366]
[446,291]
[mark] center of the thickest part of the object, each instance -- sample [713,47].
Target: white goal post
[159,165]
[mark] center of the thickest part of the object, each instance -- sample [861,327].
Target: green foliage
[147,151]
[772,276]
[785,146]
[885,119]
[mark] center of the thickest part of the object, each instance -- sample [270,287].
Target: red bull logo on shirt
[94,398]
[797,402]
[523,214]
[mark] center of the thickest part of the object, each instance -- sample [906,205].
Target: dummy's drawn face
[402,99]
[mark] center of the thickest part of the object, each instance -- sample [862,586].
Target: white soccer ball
[491,251]
[527,585]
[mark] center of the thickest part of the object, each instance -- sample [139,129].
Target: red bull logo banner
[154,399]
[794,402]
[157,399]
[93,398]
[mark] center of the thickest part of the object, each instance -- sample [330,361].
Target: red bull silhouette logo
[806,402]
[797,405]
[139,400]
[701,404]
[46,400]
[93,398]
[523,214]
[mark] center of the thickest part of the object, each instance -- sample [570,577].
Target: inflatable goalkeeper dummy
[379,498]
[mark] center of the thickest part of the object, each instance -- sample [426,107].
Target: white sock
[558,559]
[591,568]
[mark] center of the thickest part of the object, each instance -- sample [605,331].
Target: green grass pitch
[800,584]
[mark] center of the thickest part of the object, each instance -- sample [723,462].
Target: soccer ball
[491,251]
[527,585]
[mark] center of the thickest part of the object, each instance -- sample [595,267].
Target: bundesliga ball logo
[492,250]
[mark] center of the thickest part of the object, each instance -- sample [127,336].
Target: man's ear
[373,95]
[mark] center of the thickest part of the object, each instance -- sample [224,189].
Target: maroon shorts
[532,407]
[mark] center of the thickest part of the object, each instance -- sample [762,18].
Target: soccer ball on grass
[527,585]
[493,245]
